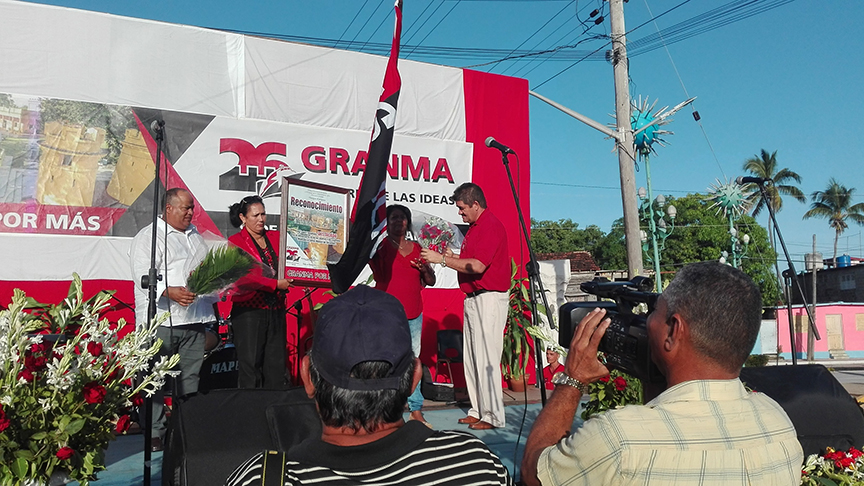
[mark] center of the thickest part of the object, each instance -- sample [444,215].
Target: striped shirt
[413,454]
[706,432]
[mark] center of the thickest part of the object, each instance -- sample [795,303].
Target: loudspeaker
[219,370]
[214,432]
[822,411]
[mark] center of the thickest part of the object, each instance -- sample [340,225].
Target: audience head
[723,308]
[361,365]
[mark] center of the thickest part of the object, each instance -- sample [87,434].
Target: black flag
[369,218]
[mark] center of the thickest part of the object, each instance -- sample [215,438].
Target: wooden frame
[313,230]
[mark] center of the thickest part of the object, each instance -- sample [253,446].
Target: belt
[476,293]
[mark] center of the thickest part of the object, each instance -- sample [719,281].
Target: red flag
[369,218]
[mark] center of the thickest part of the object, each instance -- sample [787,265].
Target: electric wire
[683,87]
[433,28]
[558,49]
[635,48]
[422,25]
[352,20]
[365,23]
[535,33]
[384,19]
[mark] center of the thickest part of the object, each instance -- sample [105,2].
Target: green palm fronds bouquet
[222,266]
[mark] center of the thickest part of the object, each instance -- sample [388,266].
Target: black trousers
[260,337]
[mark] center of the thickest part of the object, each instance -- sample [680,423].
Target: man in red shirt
[484,275]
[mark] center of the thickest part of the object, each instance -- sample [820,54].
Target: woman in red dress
[258,310]
[399,271]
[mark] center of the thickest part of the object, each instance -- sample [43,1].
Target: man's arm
[555,419]
[461,265]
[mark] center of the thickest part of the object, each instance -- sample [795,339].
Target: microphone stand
[793,275]
[536,284]
[149,282]
[298,306]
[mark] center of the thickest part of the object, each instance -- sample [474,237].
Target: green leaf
[221,267]
[24,454]
[19,467]
[75,426]
[825,481]
[39,435]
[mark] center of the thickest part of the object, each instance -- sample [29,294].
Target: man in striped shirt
[704,429]
[360,372]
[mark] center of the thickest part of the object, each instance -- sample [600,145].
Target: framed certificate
[313,229]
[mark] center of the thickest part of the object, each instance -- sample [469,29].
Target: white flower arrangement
[61,401]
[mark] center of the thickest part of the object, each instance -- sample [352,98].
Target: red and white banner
[78,91]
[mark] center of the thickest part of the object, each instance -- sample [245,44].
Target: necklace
[398,244]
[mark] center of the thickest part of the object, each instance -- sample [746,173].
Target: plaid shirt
[697,432]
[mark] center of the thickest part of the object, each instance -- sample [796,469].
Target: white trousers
[485,316]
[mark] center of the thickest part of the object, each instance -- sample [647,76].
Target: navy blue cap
[363,324]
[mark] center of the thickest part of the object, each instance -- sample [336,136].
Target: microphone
[157,125]
[492,143]
[751,180]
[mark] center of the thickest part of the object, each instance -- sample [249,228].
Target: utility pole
[814,266]
[626,148]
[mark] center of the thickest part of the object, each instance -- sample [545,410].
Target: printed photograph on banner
[313,230]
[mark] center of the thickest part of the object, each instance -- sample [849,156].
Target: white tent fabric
[69,54]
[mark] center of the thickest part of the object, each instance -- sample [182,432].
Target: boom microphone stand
[793,275]
[149,282]
[532,268]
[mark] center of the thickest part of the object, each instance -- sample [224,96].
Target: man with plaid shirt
[705,428]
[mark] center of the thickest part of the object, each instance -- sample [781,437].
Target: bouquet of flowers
[435,234]
[834,468]
[613,391]
[66,384]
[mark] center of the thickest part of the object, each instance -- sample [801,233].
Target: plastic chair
[449,350]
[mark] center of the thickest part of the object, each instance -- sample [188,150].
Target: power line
[435,27]
[365,23]
[535,33]
[352,20]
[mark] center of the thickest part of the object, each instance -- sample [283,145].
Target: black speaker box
[822,411]
[214,432]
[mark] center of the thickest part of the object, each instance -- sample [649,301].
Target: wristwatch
[443,261]
[561,378]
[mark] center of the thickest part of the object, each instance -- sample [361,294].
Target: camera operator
[705,428]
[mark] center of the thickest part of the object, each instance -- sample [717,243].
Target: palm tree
[764,166]
[835,205]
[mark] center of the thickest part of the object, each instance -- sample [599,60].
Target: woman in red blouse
[258,310]
[399,271]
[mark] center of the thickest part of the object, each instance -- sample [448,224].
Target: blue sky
[785,79]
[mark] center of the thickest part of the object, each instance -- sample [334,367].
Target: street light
[739,247]
[658,228]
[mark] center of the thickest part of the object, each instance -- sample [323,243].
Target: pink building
[840,325]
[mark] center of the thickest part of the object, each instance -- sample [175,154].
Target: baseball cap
[363,324]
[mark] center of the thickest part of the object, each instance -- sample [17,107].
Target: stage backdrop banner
[79,91]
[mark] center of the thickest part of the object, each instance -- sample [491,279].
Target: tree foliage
[835,205]
[764,165]
[700,235]
[564,236]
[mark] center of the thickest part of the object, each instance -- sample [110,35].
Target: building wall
[846,322]
[833,285]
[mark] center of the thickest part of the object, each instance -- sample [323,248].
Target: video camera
[625,343]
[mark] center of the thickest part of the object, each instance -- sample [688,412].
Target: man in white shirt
[183,332]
